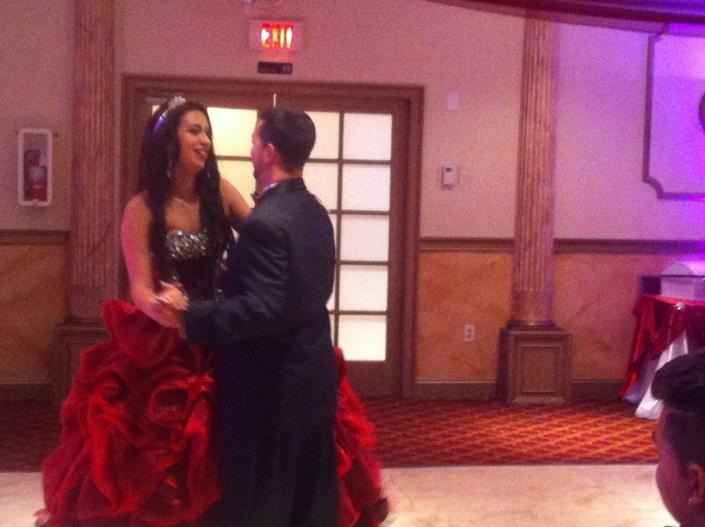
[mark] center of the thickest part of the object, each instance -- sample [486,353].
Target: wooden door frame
[136,88]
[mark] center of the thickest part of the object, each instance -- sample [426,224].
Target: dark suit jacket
[275,362]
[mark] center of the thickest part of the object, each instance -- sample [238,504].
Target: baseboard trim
[580,390]
[26,392]
[474,391]
[597,389]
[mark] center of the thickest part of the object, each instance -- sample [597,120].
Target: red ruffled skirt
[136,447]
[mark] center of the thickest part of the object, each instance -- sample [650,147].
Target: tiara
[175,101]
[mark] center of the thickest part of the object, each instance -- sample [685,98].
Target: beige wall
[594,297]
[445,49]
[458,288]
[35,68]
[442,48]
[450,50]
[600,138]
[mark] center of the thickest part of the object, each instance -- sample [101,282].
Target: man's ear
[696,478]
[276,157]
[271,153]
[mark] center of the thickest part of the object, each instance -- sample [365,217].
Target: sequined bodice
[191,263]
[183,245]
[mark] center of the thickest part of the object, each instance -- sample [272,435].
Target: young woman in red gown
[137,445]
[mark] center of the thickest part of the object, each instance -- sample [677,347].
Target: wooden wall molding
[475,245]
[30,237]
[506,245]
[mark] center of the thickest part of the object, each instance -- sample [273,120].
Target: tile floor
[486,496]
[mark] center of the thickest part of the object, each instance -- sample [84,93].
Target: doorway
[365,170]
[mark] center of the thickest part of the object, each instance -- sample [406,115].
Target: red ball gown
[136,447]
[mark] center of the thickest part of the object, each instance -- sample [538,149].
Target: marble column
[533,228]
[534,359]
[94,239]
[93,228]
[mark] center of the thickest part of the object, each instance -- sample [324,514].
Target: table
[666,328]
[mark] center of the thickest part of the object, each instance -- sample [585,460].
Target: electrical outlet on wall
[469,333]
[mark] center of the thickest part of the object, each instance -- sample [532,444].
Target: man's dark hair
[680,384]
[291,131]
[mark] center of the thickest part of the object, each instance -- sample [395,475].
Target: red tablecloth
[661,320]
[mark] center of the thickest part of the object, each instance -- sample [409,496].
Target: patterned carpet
[418,433]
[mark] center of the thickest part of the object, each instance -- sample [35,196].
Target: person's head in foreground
[680,437]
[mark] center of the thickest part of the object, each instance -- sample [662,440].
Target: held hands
[172,295]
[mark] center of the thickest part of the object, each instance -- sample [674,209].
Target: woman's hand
[172,295]
[164,314]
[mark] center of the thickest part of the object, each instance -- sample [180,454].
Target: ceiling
[648,11]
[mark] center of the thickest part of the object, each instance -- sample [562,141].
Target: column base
[534,365]
[71,338]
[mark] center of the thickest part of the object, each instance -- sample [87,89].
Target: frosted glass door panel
[366,187]
[335,228]
[363,287]
[363,337]
[364,238]
[232,130]
[322,180]
[330,305]
[327,134]
[239,173]
[367,136]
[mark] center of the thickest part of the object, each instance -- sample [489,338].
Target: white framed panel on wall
[675,117]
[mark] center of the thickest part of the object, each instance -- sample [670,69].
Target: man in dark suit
[275,366]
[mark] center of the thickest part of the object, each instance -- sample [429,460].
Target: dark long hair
[158,157]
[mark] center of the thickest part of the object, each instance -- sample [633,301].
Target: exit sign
[275,35]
